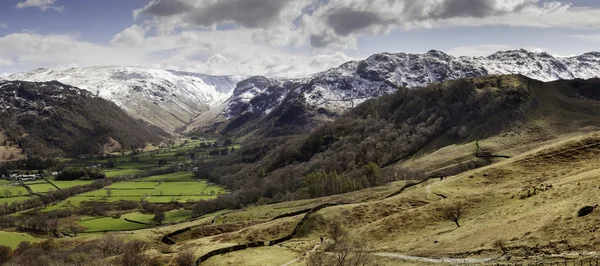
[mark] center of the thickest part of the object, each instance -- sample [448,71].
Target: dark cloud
[247,13]
[318,41]
[344,18]
[346,21]
[165,8]
[472,8]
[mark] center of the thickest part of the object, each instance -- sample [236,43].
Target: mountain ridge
[49,119]
[183,101]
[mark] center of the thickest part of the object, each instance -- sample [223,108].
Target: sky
[280,38]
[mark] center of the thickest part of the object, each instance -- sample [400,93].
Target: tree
[110,245]
[372,173]
[108,192]
[133,254]
[345,251]
[452,213]
[159,217]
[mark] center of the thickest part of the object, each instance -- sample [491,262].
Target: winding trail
[435,260]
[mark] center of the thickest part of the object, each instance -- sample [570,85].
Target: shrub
[185,258]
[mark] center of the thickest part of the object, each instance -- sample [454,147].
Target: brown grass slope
[53,119]
[529,203]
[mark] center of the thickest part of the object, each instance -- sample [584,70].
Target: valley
[489,169]
[162,180]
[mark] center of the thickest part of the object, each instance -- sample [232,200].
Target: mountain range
[182,101]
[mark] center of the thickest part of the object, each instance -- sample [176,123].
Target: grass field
[13,190]
[42,188]
[177,216]
[13,239]
[174,177]
[68,184]
[178,186]
[13,199]
[140,217]
[109,224]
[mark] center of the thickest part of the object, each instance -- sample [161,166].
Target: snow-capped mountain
[47,119]
[343,87]
[168,99]
[174,100]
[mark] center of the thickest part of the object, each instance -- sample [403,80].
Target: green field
[42,188]
[13,191]
[173,177]
[68,184]
[13,239]
[13,199]
[165,188]
[177,216]
[109,224]
[140,217]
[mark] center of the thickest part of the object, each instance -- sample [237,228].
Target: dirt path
[435,260]
[305,255]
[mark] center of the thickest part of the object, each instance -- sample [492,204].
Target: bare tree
[110,245]
[336,231]
[345,251]
[133,254]
[452,213]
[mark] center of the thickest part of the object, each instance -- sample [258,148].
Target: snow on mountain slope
[173,100]
[343,87]
[168,99]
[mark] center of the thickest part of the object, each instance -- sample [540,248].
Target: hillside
[508,113]
[520,207]
[53,119]
[520,210]
[167,99]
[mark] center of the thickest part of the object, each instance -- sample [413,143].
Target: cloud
[207,13]
[230,52]
[3,25]
[6,62]
[337,22]
[163,8]
[43,5]
[131,36]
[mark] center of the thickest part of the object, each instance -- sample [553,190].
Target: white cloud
[6,62]
[294,38]
[131,36]
[43,5]
[219,53]
[3,25]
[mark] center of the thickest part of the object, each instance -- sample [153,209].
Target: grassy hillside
[526,206]
[509,114]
